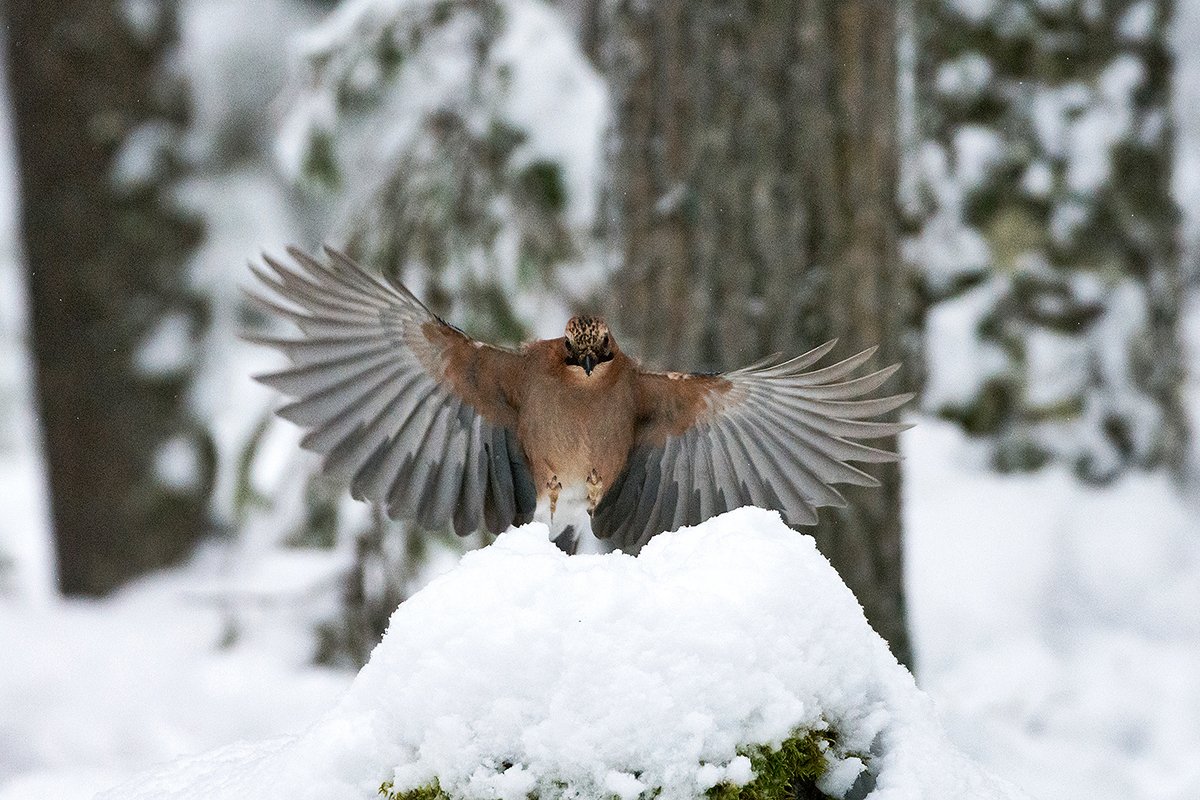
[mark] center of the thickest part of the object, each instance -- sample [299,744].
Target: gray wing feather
[647,524]
[468,515]
[346,398]
[328,375]
[374,442]
[388,479]
[807,467]
[524,490]
[385,423]
[778,482]
[306,352]
[327,434]
[779,436]
[704,479]
[503,498]
[730,490]
[682,478]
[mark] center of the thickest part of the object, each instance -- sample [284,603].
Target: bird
[443,430]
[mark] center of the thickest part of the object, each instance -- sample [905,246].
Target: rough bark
[105,250]
[753,192]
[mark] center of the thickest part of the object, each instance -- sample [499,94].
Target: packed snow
[527,672]
[91,692]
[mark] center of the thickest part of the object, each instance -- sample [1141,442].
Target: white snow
[1038,180]
[26,557]
[526,671]
[144,18]
[952,337]
[93,691]
[555,95]
[1066,220]
[1185,116]
[965,76]
[223,43]
[1052,109]
[945,250]
[177,464]
[535,78]
[142,157]
[978,150]
[167,348]
[1115,346]
[1057,367]
[1105,123]
[1057,626]
[976,11]
[1137,23]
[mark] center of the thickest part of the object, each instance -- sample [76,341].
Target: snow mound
[525,672]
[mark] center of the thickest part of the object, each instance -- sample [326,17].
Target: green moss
[786,773]
[789,772]
[430,791]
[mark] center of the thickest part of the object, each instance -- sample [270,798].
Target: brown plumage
[436,426]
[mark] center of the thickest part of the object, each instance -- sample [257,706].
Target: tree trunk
[111,319]
[753,188]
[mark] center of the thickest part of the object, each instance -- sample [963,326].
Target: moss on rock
[789,772]
[430,791]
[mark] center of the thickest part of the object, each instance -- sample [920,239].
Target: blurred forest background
[994,191]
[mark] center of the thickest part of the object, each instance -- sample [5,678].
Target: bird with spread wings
[437,427]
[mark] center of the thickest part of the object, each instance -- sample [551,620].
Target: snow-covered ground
[1057,628]
[525,672]
[90,692]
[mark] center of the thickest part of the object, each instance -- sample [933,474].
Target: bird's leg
[555,487]
[595,488]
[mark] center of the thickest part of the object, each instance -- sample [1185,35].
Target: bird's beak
[589,364]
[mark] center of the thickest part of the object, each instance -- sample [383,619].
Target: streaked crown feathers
[588,335]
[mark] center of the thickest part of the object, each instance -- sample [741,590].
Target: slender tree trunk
[754,184]
[111,319]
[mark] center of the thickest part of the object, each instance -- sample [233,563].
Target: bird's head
[588,343]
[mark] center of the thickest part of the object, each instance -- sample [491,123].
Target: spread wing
[774,434]
[414,414]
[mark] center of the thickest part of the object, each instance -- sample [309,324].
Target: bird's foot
[555,487]
[595,488]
